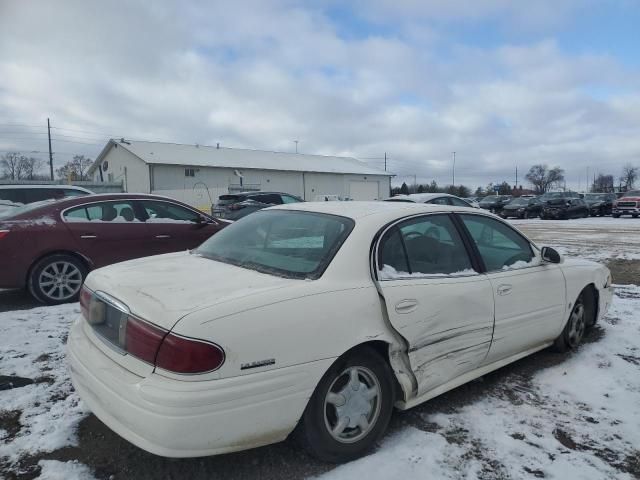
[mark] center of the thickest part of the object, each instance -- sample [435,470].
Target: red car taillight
[150,343]
[3,233]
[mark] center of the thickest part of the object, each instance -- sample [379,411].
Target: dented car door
[435,298]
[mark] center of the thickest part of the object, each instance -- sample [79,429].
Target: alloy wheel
[577,325]
[352,404]
[60,280]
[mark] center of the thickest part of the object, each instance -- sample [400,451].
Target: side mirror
[550,255]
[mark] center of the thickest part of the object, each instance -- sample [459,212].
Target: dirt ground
[111,457]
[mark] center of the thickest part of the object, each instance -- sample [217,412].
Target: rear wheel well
[381,348]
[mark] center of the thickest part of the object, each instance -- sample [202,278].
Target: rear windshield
[290,244]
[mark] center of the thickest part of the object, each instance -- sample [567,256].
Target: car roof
[358,210]
[418,197]
[57,187]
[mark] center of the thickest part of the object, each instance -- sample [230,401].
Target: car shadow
[16,300]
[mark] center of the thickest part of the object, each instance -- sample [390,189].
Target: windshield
[519,201]
[490,199]
[7,212]
[287,243]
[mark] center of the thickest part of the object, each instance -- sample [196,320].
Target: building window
[189,172]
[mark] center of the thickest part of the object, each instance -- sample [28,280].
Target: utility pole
[296,142]
[415,184]
[454,170]
[50,153]
[588,180]
[385,161]
[516,177]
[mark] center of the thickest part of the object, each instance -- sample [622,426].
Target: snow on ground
[595,238]
[578,420]
[55,470]
[42,415]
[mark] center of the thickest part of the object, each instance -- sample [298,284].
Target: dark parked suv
[563,205]
[37,193]
[237,205]
[600,204]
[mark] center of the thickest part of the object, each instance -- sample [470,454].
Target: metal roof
[158,153]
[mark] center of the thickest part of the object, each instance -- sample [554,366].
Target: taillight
[142,339]
[85,301]
[112,321]
[186,355]
[3,233]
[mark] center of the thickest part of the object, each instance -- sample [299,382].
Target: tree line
[541,177]
[16,166]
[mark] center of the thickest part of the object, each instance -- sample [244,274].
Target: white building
[197,174]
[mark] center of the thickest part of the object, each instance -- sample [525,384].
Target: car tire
[525,215]
[326,430]
[615,215]
[635,215]
[576,326]
[57,279]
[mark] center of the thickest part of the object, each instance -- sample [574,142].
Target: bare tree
[31,167]
[629,176]
[75,169]
[602,184]
[12,164]
[543,178]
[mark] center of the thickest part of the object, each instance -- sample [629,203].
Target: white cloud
[261,74]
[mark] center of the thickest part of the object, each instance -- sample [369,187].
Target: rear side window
[458,203]
[423,246]
[114,212]
[289,199]
[501,247]
[439,201]
[69,192]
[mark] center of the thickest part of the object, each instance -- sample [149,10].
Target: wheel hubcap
[577,326]
[60,280]
[352,404]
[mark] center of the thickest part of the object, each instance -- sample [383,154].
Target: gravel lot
[528,420]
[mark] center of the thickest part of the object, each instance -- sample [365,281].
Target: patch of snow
[390,273]
[535,261]
[71,470]
[33,346]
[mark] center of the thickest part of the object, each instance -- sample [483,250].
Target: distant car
[49,247]
[522,207]
[432,198]
[494,203]
[234,206]
[600,204]
[36,193]
[318,319]
[563,206]
[628,204]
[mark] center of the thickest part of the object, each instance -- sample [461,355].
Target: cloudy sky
[502,83]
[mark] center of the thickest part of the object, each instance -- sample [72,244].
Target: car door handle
[163,236]
[504,289]
[88,236]
[406,306]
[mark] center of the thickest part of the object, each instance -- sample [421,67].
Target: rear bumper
[191,418]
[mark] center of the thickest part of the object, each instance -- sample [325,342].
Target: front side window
[291,244]
[500,246]
[165,212]
[423,246]
[456,202]
[439,201]
[113,212]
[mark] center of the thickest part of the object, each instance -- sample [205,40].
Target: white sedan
[317,319]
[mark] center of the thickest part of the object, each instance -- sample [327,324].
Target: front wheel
[350,409]
[57,279]
[573,331]
[615,215]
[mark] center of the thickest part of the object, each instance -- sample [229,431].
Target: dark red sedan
[49,247]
